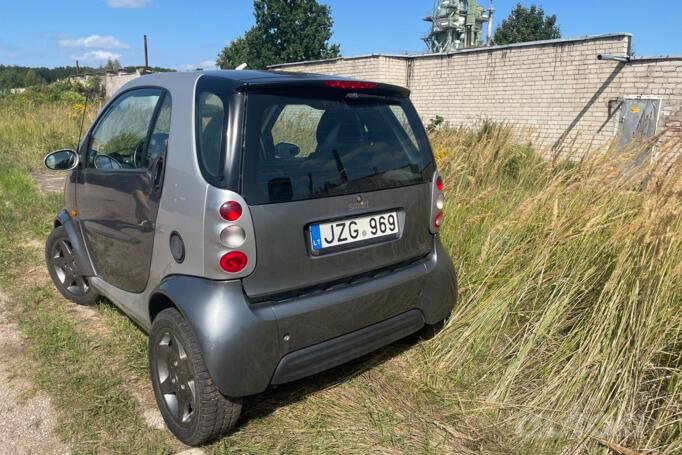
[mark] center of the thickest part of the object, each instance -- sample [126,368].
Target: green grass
[79,369]
[567,335]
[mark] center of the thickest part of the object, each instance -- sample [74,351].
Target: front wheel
[62,264]
[193,408]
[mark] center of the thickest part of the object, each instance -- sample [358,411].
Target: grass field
[567,338]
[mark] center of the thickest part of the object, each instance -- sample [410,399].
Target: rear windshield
[301,147]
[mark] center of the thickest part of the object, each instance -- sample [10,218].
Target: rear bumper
[337,351]
[247,347]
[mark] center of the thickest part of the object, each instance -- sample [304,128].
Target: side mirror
[61,160]
[287,150]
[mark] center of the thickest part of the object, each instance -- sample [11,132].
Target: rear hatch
[337,178]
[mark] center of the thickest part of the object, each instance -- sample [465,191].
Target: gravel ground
[27,419]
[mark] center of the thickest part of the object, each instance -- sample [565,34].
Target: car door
[122,178]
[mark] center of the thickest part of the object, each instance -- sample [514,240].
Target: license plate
[353,230]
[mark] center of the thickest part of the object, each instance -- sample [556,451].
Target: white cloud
[127,3]
[107,42]
[97,56]
[205,65]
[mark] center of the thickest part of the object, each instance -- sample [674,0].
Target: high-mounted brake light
[233,262]
[231,211]
[351,85]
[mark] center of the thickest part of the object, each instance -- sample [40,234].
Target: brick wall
[555,91]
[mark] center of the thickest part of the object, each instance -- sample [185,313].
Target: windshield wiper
[340,167]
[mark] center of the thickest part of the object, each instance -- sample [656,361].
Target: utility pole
[491,12]
[146,56]
[78,69]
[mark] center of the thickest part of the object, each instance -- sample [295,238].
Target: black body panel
[285,261]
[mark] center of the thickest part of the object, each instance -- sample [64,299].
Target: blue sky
[189,33]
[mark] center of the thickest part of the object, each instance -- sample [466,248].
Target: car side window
[119,138]
[158,140]
[210,131]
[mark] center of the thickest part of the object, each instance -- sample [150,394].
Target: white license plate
[353,230]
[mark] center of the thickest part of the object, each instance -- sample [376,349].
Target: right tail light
[437,204]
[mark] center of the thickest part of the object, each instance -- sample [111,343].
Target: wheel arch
[239,343]
[159,302]
[71,228]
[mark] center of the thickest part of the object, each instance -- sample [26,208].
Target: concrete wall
[556,91]
[113,82]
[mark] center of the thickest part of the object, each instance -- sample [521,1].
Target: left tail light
[229,237]
[231,211]
[234,262]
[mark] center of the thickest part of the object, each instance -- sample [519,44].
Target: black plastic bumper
[320,357]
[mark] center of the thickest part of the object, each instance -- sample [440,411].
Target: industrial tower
[458,24]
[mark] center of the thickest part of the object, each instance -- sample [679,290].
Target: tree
[285,31]
[527,24]
[112,64]
[32,79]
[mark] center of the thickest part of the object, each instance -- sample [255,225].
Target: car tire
[62,265]
[191,405]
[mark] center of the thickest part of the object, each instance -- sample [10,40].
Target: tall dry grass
[571,304]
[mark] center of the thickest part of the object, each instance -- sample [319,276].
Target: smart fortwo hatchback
[261,227]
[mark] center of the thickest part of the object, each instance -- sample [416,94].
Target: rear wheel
[62,264]
[193,408]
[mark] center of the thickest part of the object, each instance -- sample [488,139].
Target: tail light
[437,204]
[439,184]
[440,201]
[438,220]
[232,236]
[234,262]
[231,211]
[229,240]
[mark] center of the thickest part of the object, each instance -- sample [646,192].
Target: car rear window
[305,147]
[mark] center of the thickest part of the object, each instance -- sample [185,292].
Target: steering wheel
[107,162]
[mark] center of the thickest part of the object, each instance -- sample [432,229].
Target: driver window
[118,141]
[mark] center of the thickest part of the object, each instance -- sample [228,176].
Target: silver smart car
[261,227]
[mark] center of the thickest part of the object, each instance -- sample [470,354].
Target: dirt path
[49,181]
[27,419]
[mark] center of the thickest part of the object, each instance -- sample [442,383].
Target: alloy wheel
[175,378]
[64,263]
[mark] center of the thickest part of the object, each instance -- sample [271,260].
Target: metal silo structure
[456,24]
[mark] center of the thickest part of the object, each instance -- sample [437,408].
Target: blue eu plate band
[316,237]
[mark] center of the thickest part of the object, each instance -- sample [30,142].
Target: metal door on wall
[638,120]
